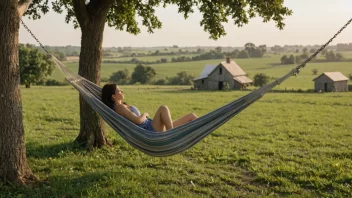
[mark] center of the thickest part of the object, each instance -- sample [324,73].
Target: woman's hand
[146,114]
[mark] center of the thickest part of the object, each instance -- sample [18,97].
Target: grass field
[296,145]
[284,145]
[268,65]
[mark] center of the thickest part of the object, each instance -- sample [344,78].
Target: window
[202,81]
[220,70]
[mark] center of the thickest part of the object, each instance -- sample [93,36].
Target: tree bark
[92,24]
[13,162]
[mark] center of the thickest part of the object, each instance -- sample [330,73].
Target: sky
[313,22]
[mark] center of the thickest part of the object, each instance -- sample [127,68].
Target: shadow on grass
[58,186]
[39,151]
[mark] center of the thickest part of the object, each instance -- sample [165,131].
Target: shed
[331,82]
[215,77]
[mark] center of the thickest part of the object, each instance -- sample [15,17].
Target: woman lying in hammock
[113,97]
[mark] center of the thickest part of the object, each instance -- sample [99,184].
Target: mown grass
[296,145]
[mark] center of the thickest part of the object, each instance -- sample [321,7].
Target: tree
[182,78]
[218,49]
[314,71]
[243,54]
[263,48]
[120,77]
[143,74]
[260,80]
[34,66]
[277,48]
[249,47]
[91,16]
[339,56]
[284,59]
[13,162]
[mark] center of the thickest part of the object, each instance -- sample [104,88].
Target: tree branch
[81,12]
[23,6]
[95,7]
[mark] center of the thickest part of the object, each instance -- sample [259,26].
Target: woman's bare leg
[162,120]
[185,119]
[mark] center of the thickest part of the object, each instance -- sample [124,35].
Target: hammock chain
[321,48]
[41,45]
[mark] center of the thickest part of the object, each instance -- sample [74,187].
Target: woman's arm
[125,112]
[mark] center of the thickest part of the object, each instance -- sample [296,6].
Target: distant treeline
[64,51]
[330,56]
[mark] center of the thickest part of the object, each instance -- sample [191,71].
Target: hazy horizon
[309,25]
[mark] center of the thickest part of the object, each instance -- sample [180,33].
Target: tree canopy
[34,65]
[123,14]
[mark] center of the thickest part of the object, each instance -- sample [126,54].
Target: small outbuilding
[331,82]
[227,73]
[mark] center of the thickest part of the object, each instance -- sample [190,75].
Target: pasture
[268,65]
[296,145]
[286,144]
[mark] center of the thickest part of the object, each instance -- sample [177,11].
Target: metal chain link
[322,47]
[297,68]
[41,45]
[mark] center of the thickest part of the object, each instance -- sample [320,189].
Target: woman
[113,97]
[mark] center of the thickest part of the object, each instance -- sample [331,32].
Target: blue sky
[313,22]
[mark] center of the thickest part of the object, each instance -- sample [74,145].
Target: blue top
[134,110]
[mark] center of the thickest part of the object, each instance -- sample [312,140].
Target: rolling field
[296,145]
[268,65]
[284,145]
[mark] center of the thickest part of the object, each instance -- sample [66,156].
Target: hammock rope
[179,138]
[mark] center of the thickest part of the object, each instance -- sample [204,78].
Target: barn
[331,82]
[216,77]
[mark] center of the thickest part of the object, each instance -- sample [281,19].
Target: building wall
[331,85]
[341,86]
[212,82]
[215,76]
[201,84]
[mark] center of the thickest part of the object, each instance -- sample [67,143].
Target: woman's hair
[108,90]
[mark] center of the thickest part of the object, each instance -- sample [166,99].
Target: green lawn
[296,145]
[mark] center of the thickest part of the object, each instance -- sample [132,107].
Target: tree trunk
[92,128]
[28,85]
[13,162]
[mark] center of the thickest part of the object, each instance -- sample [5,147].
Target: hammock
[174,140]
[179,138]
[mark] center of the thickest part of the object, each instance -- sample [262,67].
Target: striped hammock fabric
[174,140]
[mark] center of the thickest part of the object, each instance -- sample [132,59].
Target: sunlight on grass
[284,144]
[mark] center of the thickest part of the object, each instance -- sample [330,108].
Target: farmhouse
[215,77]
[331,81]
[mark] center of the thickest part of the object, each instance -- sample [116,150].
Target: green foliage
[226,86]
[331,56]
[122,15]
[52,82]
[120,77]
[260,80]
[143,74]
[60,56]
[34,66]
[277,49]
[182,78]
[314,71]
[243,54]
